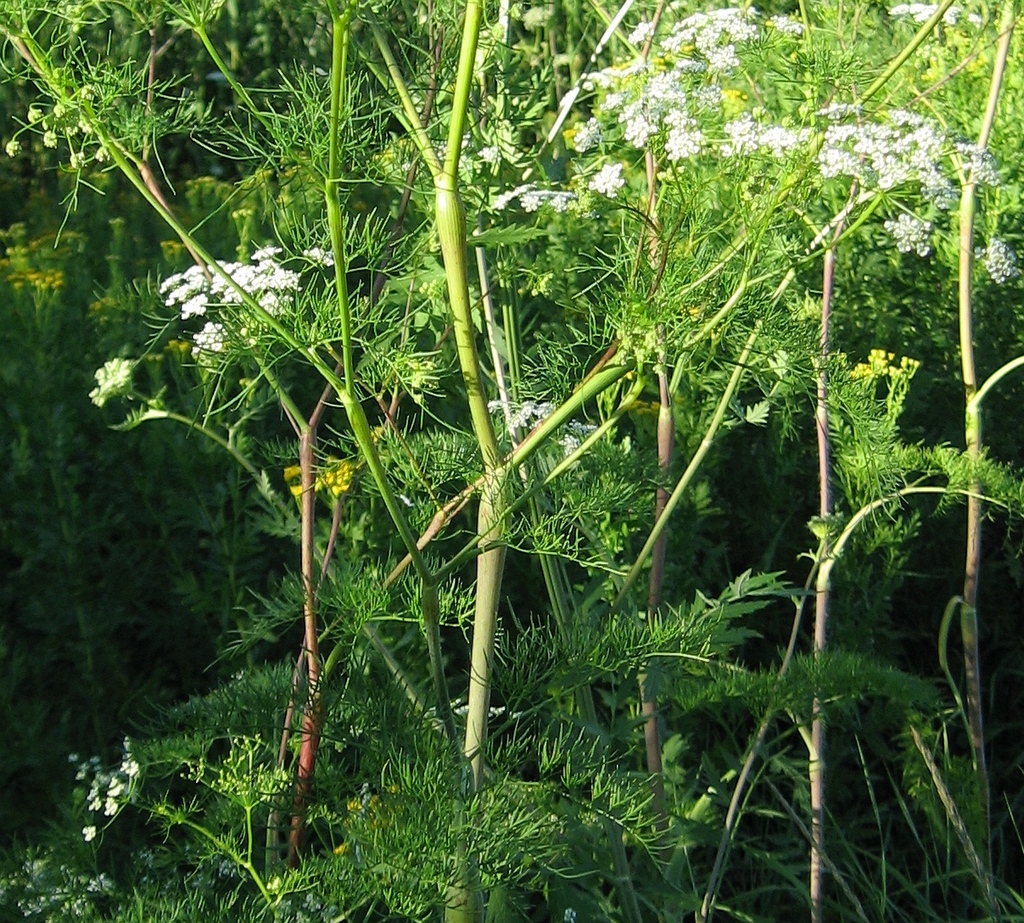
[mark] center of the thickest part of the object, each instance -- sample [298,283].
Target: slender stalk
[311,716]
[816,764]
[732,814]
[973,439]
[561,606]
[684,481]
[919,38]
[656,578]
[451,224]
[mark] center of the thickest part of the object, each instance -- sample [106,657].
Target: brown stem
[648,694]
[816,770]
[311,717]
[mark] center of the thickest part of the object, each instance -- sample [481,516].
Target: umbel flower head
[113,379]
[198,289]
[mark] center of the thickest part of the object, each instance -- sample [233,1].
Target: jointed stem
[973,438]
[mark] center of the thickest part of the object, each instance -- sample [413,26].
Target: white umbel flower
[910,234]
[608,180]
[999,259]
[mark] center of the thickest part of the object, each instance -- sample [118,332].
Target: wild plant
[510,338]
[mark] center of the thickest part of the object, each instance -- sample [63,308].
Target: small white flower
[836,112]
[1000,260]
[320,257]
[113,379]
[13,147]
[787,25]
[35,114]
[684,137]
[77,160]
[265,254]
[609,180]
[89,833]
[587,136]
[744,136]
[910,233]
[532,198]
[210,338]
[922,12]
[979,163]
[778,140]
[641,34]
[50,138]
[490,155]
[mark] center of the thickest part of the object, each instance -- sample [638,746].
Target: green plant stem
[974,404]
[152,413]
[557,585]
[410,113]
[335,221]
[533,442]
[691,469]
[732,815]
[656,578]
[240,91]
[919,38]
[973,438]
[451,226]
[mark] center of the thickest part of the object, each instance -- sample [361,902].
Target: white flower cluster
[527,415]
[609,180]
[905,150]
[113,379]
[922,12]
[910,233]
[999,259]
[46,890]
[587,136]
[979,163]
[747,137]
[787,25]
[320,257]
[194,291]
[310,909]
[109,790]
[532,198]
[713,35]
[649,103]
[641,34]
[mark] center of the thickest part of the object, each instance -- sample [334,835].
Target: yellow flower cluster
[336,478]
[880,365]
[40,279]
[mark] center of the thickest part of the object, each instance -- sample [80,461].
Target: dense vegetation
[497,462]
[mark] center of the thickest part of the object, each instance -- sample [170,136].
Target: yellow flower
[338,477]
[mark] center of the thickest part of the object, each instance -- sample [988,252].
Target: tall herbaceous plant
[525,289]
